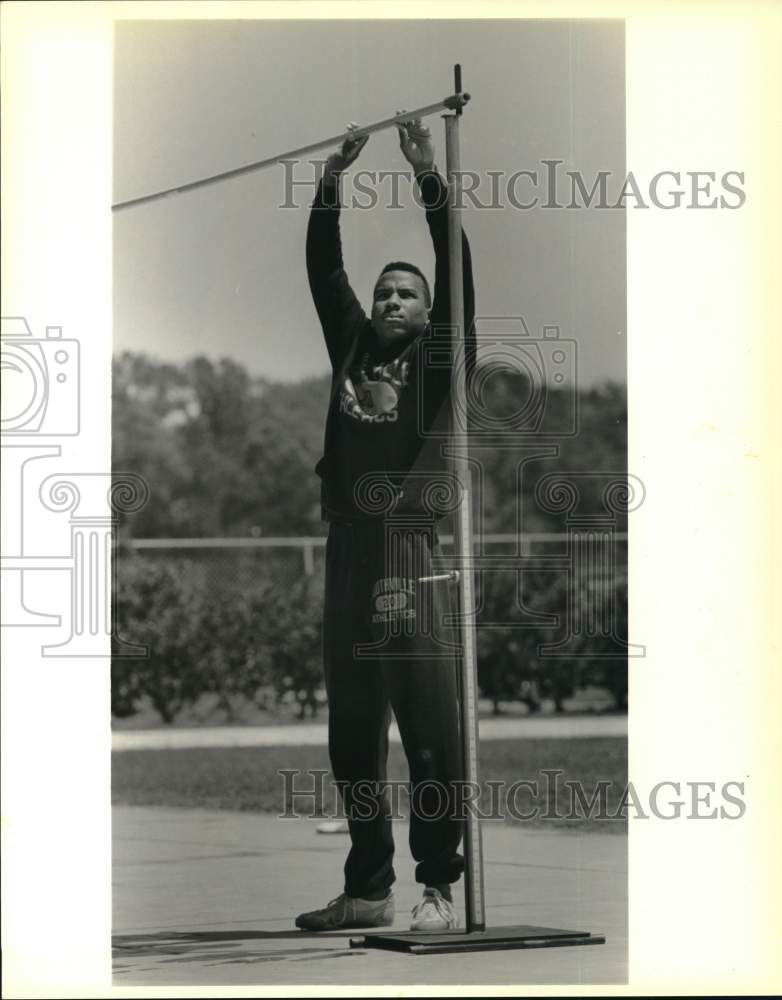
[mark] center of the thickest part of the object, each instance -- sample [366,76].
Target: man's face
[399,309]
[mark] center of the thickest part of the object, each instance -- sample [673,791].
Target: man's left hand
[415,141]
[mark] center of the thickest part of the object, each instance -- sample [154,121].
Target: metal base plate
[491,939]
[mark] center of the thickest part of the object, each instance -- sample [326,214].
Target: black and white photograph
[385,523]
[388,502]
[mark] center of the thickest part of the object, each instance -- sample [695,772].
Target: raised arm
[416,143]
[434,194]
[339,311]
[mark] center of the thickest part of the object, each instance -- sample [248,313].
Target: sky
[220,271]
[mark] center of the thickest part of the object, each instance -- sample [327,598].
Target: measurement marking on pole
[464,542]
[469,717]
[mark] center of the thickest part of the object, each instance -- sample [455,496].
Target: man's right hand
[345,155]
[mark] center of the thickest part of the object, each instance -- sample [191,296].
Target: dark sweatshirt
[389,413]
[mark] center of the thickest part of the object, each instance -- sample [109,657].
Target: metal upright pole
[473,847]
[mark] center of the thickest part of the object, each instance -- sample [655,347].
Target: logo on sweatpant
[393,598]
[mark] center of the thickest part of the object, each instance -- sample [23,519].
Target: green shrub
[161,605]
[248,636]
[250,630]
[520,627]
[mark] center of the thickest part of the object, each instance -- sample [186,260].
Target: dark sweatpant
[374,596]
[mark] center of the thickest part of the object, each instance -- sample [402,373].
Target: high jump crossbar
[455,102]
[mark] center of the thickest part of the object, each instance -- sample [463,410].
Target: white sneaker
[434,913]
[333,826]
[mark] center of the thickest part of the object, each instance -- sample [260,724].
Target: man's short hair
[403,265]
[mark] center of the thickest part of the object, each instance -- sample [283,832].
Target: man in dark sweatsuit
[383,460]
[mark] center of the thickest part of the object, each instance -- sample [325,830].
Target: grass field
[209,711]
[248,779]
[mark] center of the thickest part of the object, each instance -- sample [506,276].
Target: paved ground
[205,898]
[315,734]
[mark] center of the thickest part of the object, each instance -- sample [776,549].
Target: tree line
[232,455]
[229,454]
